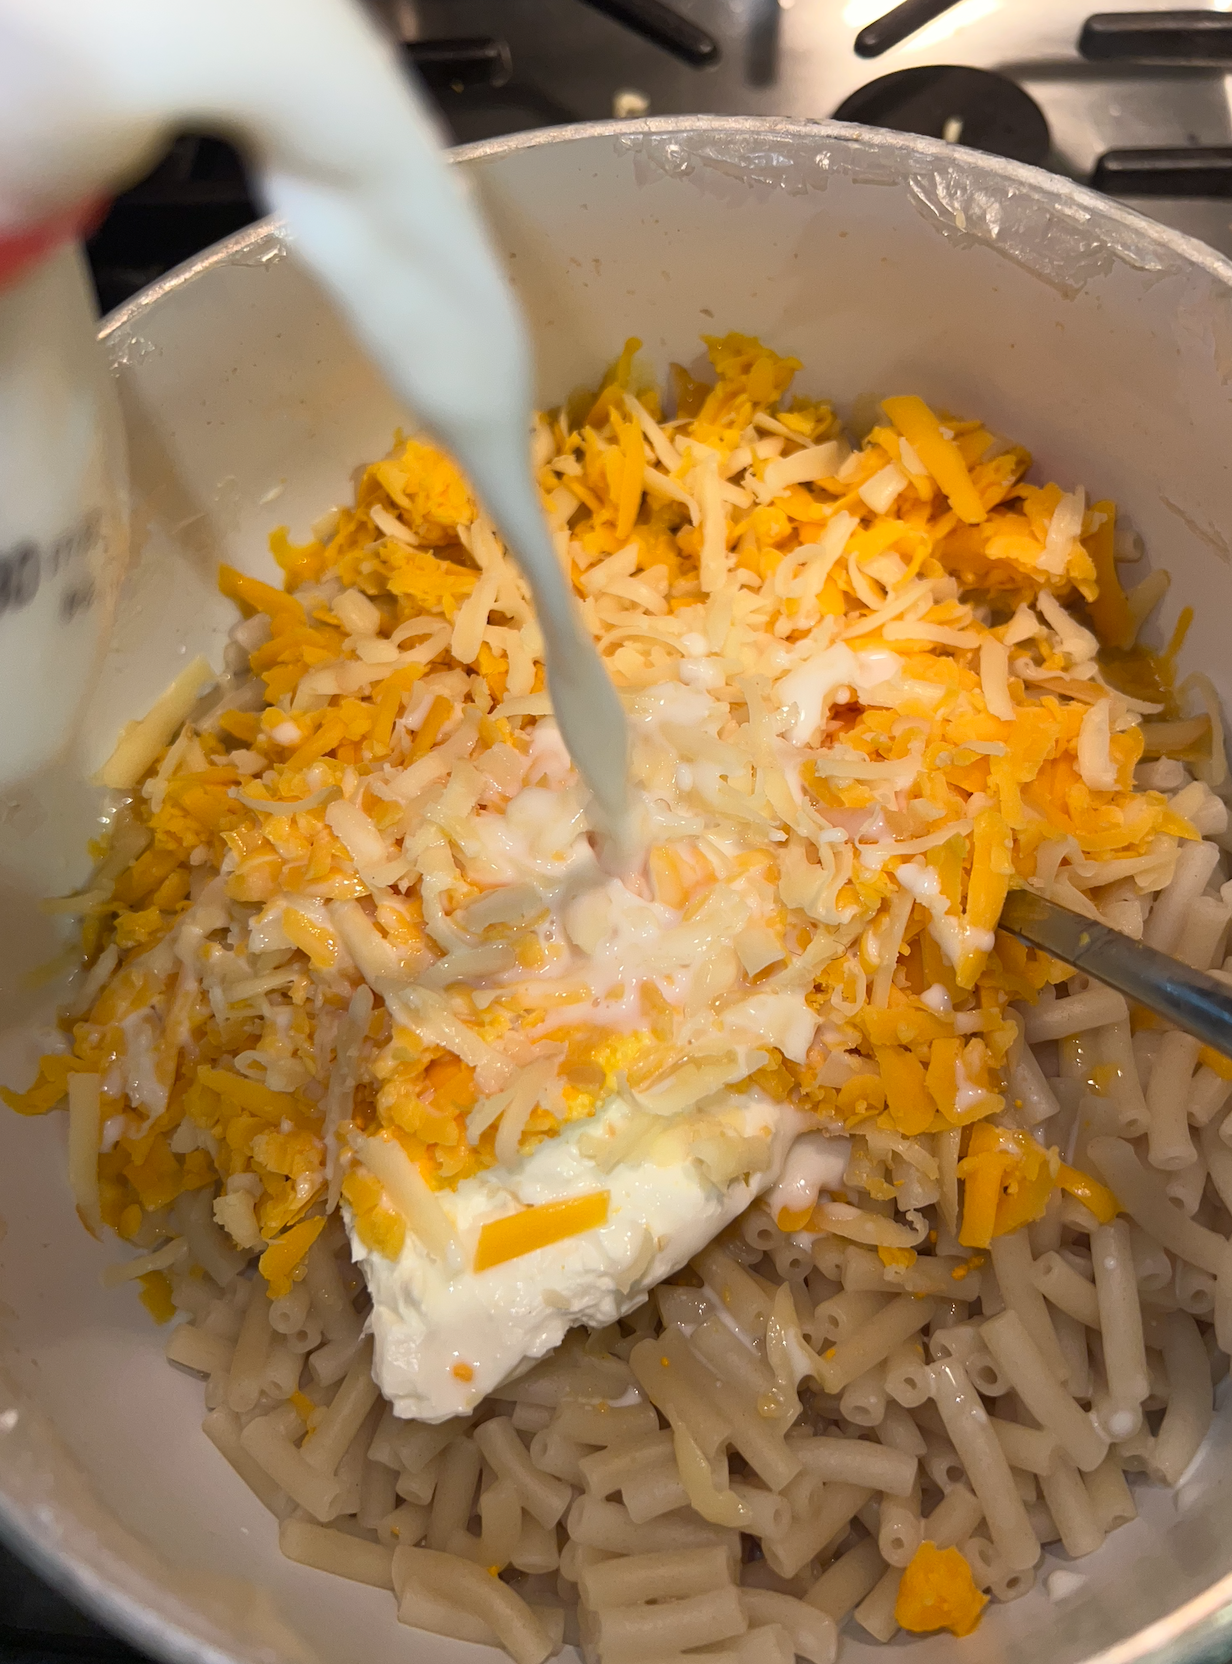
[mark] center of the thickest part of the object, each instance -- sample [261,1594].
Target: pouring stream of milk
[347,155]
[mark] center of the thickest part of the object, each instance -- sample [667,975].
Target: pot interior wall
[886,266]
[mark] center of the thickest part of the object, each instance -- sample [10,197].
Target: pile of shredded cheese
[348,939]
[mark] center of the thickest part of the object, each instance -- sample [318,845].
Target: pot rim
[1081,199]
[1199,1629]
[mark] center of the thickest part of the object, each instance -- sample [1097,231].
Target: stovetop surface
[567,61]
[796,58]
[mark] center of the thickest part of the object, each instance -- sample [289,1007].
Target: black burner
[946,101]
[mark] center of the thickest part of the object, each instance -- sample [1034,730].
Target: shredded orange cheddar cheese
[280,1260]
[1007,1180]
[538,1227]
[155,1296]
[323,875]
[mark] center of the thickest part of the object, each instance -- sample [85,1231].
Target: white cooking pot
[887,264]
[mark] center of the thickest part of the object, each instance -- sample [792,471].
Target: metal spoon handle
[1190,999]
